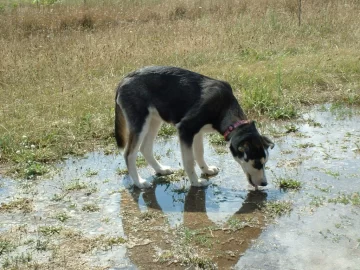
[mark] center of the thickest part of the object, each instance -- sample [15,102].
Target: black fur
[251,142]
[182,97]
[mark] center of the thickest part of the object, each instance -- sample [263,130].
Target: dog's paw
[142,184]
[200,183]
[211,170]
[164,170]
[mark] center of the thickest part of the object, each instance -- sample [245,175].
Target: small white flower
[32,146]
[18,152]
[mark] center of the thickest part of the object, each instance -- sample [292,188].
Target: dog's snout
[263,184]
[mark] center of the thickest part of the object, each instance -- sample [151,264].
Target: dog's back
[174,93]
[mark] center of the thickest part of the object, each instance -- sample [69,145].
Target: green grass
[22,204]
[58,69]
[58,197]
[174,177]
[332,173]
[197,237]
[141,162]
[75,184]
[167,130]
[288,184]
[278,208]
[217,139]
[239,224]
[62,216]
[122,171]
[49,230]
[90,173]
[353,199]
[5,246]
[306,145]
[317,201]
[113,241]
[90,207]
[15,262]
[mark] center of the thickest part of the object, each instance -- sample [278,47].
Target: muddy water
[321,232]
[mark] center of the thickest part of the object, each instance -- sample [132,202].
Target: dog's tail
[120,126]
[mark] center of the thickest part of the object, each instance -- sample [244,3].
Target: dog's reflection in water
[228,243]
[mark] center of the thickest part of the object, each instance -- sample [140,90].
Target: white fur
[257,176]
[145,143]
[189,166]
[189,154]
[198,149]
[131,159]
[148,143]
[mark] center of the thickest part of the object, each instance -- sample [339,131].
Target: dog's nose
[263,184]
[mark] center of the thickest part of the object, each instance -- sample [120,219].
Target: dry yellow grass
[60,63]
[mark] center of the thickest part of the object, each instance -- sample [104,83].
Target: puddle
[90,207]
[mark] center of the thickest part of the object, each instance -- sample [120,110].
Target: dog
[195,104]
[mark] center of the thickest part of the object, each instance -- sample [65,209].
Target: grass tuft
[90,207]
[23,204]
[167,130]
[6,247]
[278,208]
[288,184]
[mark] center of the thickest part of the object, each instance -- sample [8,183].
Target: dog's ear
[267,142]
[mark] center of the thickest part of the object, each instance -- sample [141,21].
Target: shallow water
[323,155]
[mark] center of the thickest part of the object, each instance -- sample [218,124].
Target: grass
[141,161]
[90,207]
[17,261]
[62,216]
[49,230]
[217,139]
[148,215]
[278,208]
[167,130]
[239,224]
[61,61]
[22,204]
[288,184]
[122,171]
[75,185]
[174,177]
[353,199]
[113,241]
[305,145]
[5,246]
[90,173]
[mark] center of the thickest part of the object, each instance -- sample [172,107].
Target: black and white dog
[195,104]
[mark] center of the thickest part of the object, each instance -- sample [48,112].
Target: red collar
[233,126]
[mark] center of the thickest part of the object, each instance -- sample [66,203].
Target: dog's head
[250,150]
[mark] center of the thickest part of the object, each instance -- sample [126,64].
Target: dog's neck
[233,126]
[231,121]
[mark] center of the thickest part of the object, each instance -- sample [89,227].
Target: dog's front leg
[189,165]
[199,156]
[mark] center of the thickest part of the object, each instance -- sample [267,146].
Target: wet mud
[86,214]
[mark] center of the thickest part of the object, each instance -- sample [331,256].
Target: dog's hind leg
[147,148]
[132,148]
[199,156]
